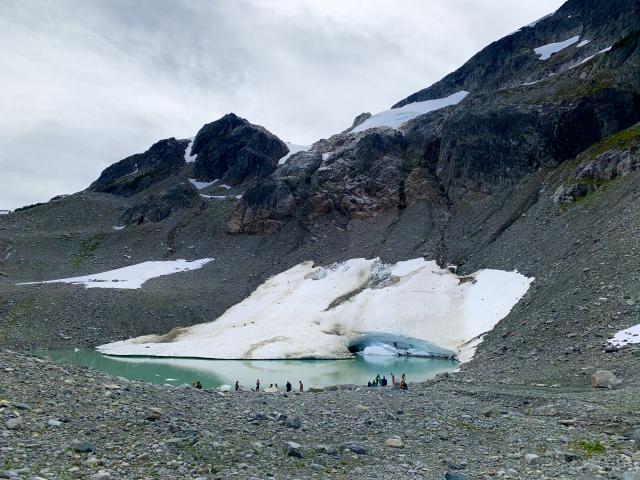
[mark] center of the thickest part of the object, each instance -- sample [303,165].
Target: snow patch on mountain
[397,116]
[583,43]
[626,337]
[545,51]
[293,149]
[131,277]
[187,153]
[201,185]
[320,312]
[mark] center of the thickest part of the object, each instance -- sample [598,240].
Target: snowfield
[319,312]
[131,277]
[293,149]
[545,51]
[626,337]
[397,116]
[201,185]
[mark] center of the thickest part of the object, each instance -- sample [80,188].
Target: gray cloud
[87,82]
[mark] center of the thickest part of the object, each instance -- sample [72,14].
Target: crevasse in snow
[545,51]
[397,116]
[319,312]
[131,277]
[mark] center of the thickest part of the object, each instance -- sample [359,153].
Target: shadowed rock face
[233,150]
[138,172]
[157,207]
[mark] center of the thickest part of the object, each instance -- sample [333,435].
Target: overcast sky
[84,83]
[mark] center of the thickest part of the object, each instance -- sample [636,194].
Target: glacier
[322,312]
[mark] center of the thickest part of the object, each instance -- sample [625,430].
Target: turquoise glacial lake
[213,373]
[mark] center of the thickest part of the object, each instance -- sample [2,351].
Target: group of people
[383,382]
[288,387]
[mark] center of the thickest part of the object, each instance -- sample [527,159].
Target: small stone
[605,379]
[531,459]
[355,447]
[394,442]
[485,412]
[315,389]
[82,446]
[454,476]
[154,414]
[14,423]
[293,449]
[52,422]
[293,422]
[101,475]
[22,406]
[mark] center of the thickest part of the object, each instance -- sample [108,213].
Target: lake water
[213,373]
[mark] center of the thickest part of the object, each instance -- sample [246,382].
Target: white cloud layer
[85,83]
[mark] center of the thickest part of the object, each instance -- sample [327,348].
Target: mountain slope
[535,170]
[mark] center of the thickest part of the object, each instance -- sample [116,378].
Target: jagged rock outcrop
[157,207]
[615,157]
[511,61]
[138,172]
[235,151]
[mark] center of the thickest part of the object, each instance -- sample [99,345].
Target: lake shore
[68,422]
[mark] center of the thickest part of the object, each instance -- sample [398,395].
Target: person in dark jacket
[289,386]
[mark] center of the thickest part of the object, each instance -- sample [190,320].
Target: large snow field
[545,51]
[293,149]
[626,337]
[397,116]
[318,312]
[131,277]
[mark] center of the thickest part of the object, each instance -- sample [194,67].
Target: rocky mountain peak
[234,151]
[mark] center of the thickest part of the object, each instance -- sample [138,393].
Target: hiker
[403,383]
[288,386]
[301,386]
[369,383]
[198,385]
[258,385]
[393,379]
[237,385]
[383,382]
[378,379]
[271,385]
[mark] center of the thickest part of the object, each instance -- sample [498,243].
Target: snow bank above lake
[131,277]
[545,51]
[397,116]
[318,312]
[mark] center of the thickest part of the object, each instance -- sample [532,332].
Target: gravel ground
[68,422]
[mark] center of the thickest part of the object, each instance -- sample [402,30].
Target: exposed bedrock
[234,151]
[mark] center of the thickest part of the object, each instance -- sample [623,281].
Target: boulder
[293,449]
[605,379]
[394,442]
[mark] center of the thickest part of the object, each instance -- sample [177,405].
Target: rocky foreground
[68,422]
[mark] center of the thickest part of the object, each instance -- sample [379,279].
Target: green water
[213,373]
